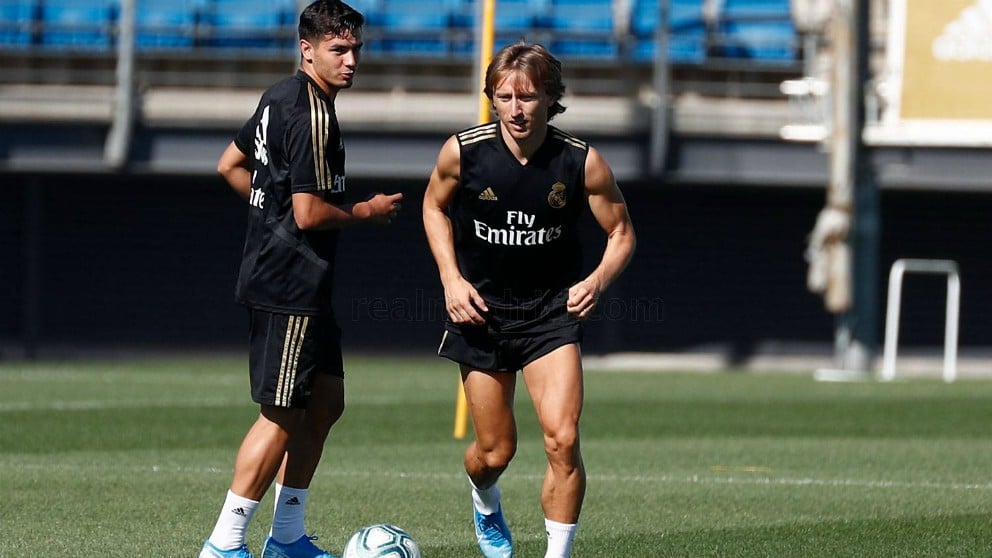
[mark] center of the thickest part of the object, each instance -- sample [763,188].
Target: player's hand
[582,298]
[463,303]
[384,207]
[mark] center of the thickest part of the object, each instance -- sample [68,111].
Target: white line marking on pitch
[646,479]
[101,404]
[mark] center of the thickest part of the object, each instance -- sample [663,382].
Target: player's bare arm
[312,212]
[233,166]
[461,300]
[610,211]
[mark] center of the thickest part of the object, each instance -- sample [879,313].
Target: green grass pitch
[132,458]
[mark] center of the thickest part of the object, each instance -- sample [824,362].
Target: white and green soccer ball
[381,540]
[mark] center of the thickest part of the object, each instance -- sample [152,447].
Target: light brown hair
[534,61]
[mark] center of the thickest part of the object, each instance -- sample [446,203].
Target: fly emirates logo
[520,231]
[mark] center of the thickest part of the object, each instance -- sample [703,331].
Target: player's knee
[320,421]
[562,445]
[498,456]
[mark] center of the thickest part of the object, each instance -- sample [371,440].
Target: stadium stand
[251,24]
[16,22]
[56,49]
[167,24]
[78,24]
[418,28]
[686,27]
[512,20]
[758,30]
[584,29]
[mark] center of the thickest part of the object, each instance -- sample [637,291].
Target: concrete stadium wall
[150,262]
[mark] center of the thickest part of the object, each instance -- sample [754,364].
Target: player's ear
[306,50]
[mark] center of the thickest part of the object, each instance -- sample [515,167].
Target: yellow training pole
[485,54]
[461,412]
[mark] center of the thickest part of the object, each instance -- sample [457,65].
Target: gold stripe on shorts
[296,330]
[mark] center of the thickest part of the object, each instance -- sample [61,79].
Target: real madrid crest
[556,198]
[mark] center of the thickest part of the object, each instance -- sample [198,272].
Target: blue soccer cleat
[302,548]
[211,551]
[494,535]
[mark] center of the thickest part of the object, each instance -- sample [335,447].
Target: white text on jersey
[261,138]
[516,237]
[520,218]
[257,198]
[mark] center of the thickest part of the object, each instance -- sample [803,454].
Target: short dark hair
[329,17]
[536,63]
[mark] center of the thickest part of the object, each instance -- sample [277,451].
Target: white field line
[126,377]
[158,403]
[103,404]
[623,479]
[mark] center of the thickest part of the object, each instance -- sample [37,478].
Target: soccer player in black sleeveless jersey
[501,212]
[287,162]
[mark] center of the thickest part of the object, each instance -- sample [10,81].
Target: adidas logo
[293,501]
[488,195]
[967,36]
[239,511]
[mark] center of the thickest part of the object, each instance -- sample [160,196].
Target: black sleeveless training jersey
[515,226]
[293,144]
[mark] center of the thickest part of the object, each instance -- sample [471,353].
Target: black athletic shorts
[480,349]
[286,352]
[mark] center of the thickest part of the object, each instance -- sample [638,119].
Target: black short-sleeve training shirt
[294,145]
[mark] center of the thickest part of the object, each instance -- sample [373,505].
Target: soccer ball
[381,541]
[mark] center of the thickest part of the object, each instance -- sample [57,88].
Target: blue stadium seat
[763,42]
[756,10]
[415,28]
[368,8]
[82,24]
[16,20]
[167,23]
[759,30]
[254,24]
[583,29]
[686,30]
[511,16]
[513,20]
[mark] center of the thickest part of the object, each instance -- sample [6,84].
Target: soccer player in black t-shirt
[288,163]
[501,212]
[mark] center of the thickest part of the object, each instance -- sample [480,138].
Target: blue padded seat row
[167,23]
[513,20]
[83,24]
[759,41]
[760,30]
[414,27]
[687,36]
[682,49]
[583,15]
[367,8]
[583,29]
[585,48]
[16,20]
[766,10]
[509,15]
[267,24]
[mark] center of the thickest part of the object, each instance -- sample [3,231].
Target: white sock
[560,538]
[486,500]
[287,519]
[229,532]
